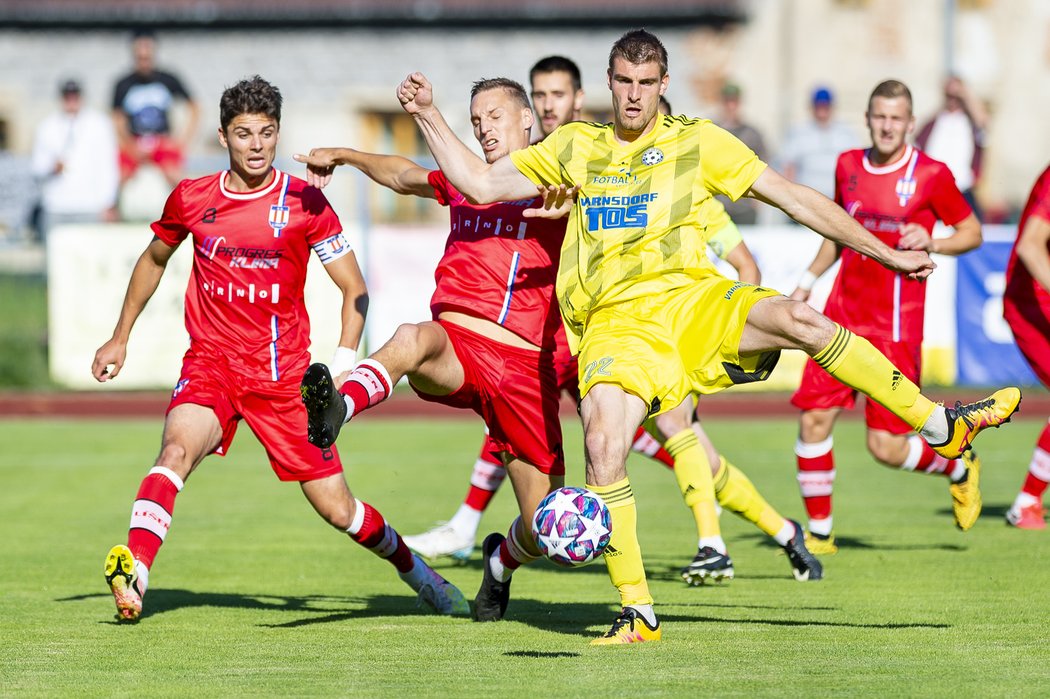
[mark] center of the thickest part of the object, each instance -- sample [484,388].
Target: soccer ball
[572,526]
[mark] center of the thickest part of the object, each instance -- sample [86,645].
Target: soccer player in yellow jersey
[652,320]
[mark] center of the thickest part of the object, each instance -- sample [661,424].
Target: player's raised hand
[109,359]
[415,93]
[915,237]
[916,264]
[558,200]
[320,165]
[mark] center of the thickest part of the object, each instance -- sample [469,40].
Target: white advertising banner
[88,268]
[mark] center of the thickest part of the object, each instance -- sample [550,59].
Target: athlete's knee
[815,426]
[674,421]
[810,328]
[173,455]
[606,451]
[888,449]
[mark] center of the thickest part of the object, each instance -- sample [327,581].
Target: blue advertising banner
[986,352]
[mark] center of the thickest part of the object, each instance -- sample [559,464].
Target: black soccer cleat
[708,564]
[493,596]
[804,565]
[325,408]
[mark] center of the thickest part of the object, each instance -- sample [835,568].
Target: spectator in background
[141,102]
[955,136]
[744,210]
[75,162]
[811,149]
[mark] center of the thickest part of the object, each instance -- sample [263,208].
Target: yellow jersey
[642,217]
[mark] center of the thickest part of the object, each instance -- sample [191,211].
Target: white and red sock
[510,555]
[371,531]
[1039,468]
[816,479]
[151,513]
[367,385]
[923,459]
[486,478]
[645,443]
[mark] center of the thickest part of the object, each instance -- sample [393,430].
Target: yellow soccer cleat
[821,545]
[123,580]
[966,495]
[965,422]
[629,627]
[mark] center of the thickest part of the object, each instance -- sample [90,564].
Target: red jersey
[244,300]
[866,297]
[499,265]
[1021,287]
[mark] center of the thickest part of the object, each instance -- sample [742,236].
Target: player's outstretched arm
[1031,249]
[346,274]
[481,182]
[966,237]
[391,171]
[811,208]
[145,277]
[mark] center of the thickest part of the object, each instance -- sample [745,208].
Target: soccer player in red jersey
[1026,307]
[491,346]
[897,193]
[252,229]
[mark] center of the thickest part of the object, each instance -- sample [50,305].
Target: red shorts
[568,371]
[160,150]
[819,390]
[515,391]
[1031,327]
[273,411]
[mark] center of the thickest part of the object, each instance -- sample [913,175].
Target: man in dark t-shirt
[141,101]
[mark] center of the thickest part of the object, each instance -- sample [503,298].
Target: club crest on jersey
[652,156]
[905,189]
[278,218]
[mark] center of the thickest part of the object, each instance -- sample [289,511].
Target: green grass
[254,595]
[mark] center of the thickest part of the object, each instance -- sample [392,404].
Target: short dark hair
[143,33]
[891,89]
[513,87]
[557,64]
[250,96]
[639,46]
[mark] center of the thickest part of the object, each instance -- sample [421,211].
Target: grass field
[253,595]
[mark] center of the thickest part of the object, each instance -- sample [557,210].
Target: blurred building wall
[785,48]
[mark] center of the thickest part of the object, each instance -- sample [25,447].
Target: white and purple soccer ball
[572,526]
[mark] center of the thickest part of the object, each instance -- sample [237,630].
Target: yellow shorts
[663,348]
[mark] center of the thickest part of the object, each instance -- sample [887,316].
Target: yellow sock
[623,556]
[738,494]
[692,470]
[855,362]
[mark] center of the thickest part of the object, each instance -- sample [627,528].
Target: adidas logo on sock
[897,378]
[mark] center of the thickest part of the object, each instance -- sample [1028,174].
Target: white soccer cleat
[441,541]
[434,591]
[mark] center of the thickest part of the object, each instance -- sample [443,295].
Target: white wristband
[807,280]
[344,359]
